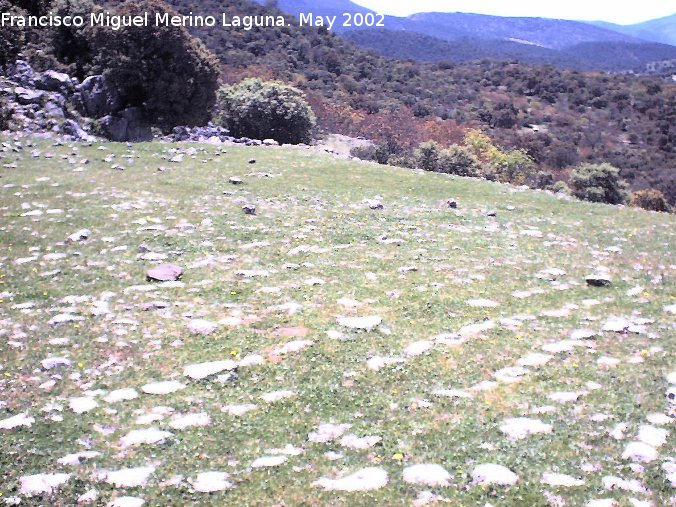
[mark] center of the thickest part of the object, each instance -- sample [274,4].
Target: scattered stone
[165,273]
[366,479]
[54,362]
[121,395]
[82,404]
[452,203]
[327,432]
[494,474]
[362,323]
[128,477]
[127,501]
[249,209]
[655,437]
[77,458]
[203,370]
[269,461]
[520,427]
[41,484]
[165,387]
[202,327]
[144,436]
[354,442]
[561,480]
[427,475]
[235,180]
[181,422]
[640,451]
[598,280]
[79,236]
[16,421]
[210,482]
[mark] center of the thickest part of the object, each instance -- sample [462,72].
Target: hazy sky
[622,12]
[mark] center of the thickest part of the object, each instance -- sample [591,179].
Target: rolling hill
[463,37]
[657,30]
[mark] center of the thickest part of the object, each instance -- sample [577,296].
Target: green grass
[317,201]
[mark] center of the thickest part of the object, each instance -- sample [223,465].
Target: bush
[458,160]
[164,70]
[12,39]
[560,187]
[427,156]
[598,183]
[74,48]
[5,114]
[261,110]
[650,199]
[401,161]
[543,180]
[365,152]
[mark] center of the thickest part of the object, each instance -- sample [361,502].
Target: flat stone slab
[165,273]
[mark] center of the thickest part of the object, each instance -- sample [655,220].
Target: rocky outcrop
[41,103]
[127,125]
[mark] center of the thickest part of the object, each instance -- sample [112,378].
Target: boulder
[598,280]
[96,99]
[53,81]
[127,125]
[24,96]
[165,273]
[74,130]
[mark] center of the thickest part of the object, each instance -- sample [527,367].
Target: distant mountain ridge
[462,37]
[661,30]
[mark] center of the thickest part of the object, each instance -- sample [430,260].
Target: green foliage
[401,161]
[427,156]
[12,39]
[162,69]
[513,166]
[74,48]
[598,183]
[5,113]
[543,180]
[650,199]
[260,110]
[458,160]
[560,187]
[365,152]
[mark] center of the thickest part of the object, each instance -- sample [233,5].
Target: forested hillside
[626,120]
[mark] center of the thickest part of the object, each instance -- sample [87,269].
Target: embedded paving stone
[361,323]
[165,273]
[561,480]
[202,327]
[127,477]
[520,427]
[211,482]
[269,461]
[127,501]
[164,387]
[17,421]
[490,473]
[427,475]
[366,479]
[203,370]
[144,436]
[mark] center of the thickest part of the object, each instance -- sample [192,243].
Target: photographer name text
[163,19]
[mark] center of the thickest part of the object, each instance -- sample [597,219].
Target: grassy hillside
[275,284]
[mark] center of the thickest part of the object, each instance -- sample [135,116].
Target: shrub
[365,152]
[543,180]
[560,187]
[11,38]
[401,161]
[74,48]
[650,199]
[427,156]
[261,110]
[162,69]
[458,160]
[598,183]
[5,114]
